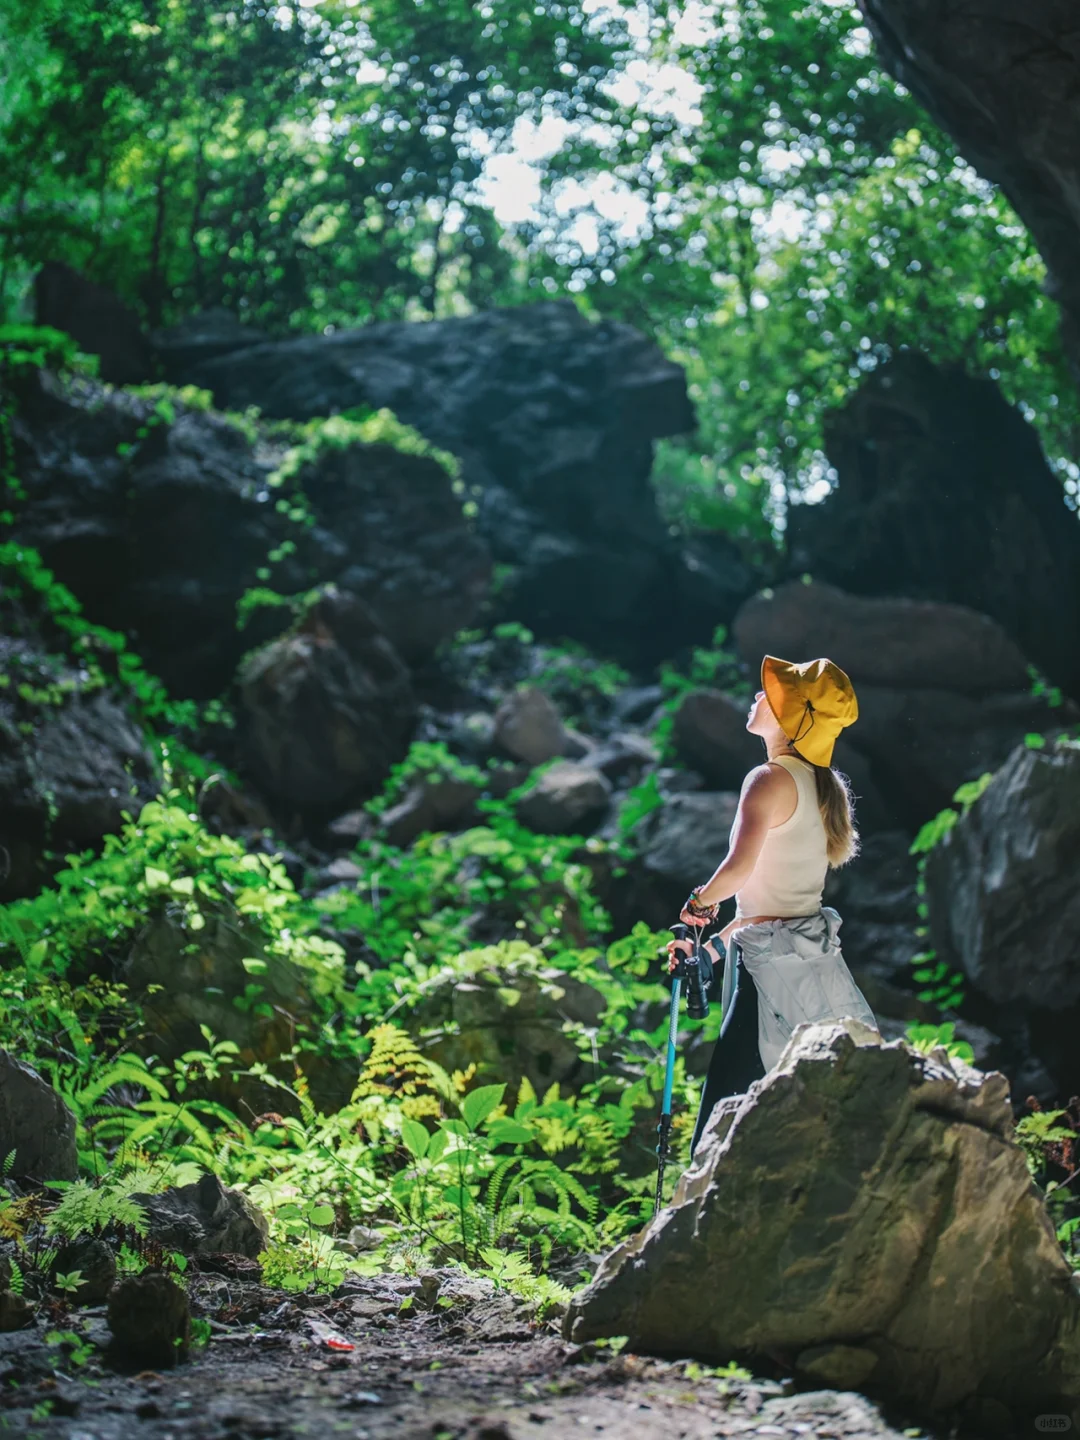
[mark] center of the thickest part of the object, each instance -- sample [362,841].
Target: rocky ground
[367,1363]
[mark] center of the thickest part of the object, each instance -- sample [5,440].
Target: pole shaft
[664,1128]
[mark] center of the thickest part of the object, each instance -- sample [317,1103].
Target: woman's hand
[696,911]
[678,950]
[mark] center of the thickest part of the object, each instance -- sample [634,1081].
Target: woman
[794,821]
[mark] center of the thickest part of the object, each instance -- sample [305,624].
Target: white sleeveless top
[789,876]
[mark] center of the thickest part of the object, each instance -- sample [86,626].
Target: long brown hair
[837,805]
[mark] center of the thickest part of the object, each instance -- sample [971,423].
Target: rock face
[71,760]
[1002,883]
[864,1216]
[554,419]
[160,535]
[528,727]
[391,530]
[876,895]
[326,710]
[150,1319]
[884,641]
[508,1020]
[181,987]
[1002,80]
[944,494]
[35,1124]
[431,804]
[683,841]
[710,735]
[1004,906]
[205,1219]
[943,693]
[567,799]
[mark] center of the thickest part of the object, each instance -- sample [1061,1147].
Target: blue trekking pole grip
[664,1128]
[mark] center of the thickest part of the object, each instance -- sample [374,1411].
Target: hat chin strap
[798,733]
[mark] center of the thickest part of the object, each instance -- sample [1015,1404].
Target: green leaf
[504,1131]
[437,1148]
[156,879]
[321,1214]
[479,1104]
[416,1138]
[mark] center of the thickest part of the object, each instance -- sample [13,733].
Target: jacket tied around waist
[800,975]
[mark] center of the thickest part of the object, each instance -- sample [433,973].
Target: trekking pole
[664,1127]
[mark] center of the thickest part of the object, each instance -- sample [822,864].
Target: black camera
[696,973]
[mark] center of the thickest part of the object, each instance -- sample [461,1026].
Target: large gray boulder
[567,799]
[512,1016]
[864,1217]
[528,727]
[1002,884]
[326,709]
[37,1130]
[894,641]
[72,760]
[710,735]
[943,692]
[554,418]
[684,839]
[161,534]
[944,494]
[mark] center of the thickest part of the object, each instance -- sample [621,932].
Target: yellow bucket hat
[812,704]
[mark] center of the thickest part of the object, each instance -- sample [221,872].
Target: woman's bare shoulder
[767,779]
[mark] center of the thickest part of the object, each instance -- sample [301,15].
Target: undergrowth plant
[942,985]
[1051,1144]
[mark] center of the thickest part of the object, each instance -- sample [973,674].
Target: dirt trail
[475,1369]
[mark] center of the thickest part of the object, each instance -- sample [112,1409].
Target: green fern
[88,1210]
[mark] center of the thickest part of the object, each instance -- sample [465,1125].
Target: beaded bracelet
[699,908]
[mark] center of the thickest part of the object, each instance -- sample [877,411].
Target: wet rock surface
[408,1357]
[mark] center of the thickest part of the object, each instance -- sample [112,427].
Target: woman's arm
[765,791]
